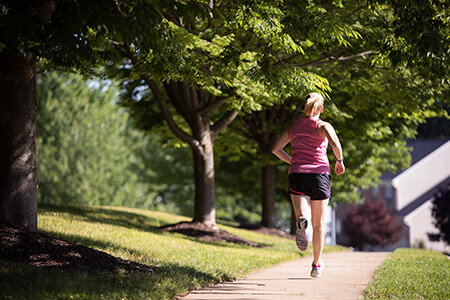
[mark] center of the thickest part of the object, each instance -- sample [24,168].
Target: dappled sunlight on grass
[182,263]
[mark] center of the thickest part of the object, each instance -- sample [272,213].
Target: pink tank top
[309,149]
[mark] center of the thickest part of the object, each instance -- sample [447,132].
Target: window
[388,195]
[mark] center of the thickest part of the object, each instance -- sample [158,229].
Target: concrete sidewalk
[345,276]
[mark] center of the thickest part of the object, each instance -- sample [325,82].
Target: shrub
[371,224]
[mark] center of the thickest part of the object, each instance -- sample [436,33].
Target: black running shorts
[316,186]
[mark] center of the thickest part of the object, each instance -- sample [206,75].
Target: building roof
[420,149]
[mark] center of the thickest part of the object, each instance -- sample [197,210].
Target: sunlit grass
[411,274]
[183,263]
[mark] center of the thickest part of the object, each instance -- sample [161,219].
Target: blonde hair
[314,104]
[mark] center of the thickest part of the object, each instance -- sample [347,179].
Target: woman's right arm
[279,145]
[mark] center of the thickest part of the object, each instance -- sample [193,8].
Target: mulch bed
[42,250]
[266,230]
[206,233]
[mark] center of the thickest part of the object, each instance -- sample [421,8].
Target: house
[409,193]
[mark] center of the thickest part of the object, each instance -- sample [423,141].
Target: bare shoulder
[324,125]
[325,129]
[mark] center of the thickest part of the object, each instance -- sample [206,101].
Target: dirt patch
[41,250]
[205,233]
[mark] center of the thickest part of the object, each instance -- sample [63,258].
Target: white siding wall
[420,225]
[422,176]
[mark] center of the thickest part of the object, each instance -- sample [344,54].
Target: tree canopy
[202,62]
[375,102]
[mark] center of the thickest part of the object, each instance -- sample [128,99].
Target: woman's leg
[318,208]
[300,205]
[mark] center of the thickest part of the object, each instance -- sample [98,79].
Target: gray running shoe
[300,238]
[316,271]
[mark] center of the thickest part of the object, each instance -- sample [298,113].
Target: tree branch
[223,122]
[126,51]
[195,98]
[332,59]
[245,129]
[181,134]
[177,95]
[172,18]
[213,105]
[287,60]
[332,54]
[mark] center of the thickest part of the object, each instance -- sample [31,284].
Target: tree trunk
[18,195]
[196,108]
[205,200]
[269,215]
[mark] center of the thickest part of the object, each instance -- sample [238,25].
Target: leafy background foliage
[84,144]
[383,66]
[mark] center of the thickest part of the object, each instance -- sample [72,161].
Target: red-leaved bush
[371,224]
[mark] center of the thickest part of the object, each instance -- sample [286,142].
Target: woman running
[309,173]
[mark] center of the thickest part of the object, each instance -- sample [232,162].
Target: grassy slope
[183,262]
[411,274]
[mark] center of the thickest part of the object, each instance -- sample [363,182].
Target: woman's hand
[339,167]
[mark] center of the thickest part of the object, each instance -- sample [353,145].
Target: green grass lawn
[411,274]
[183,263]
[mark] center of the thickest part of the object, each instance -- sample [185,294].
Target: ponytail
[314,103]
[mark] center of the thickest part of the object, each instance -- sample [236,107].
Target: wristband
[340,160]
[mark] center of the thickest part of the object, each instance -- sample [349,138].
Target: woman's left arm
[327,130]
